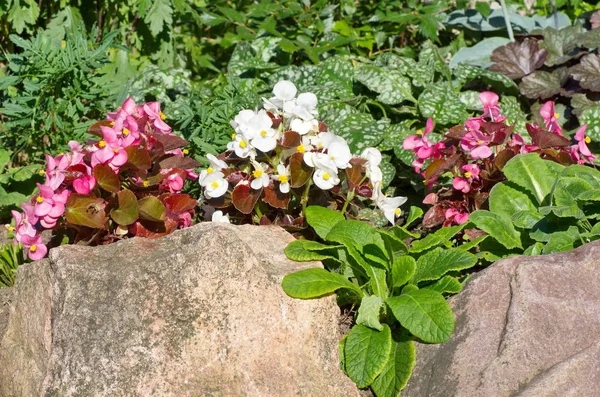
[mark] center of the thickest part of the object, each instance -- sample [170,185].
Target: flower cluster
[127,182]
[475,152]
[284,156]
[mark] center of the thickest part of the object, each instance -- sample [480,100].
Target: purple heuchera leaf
[516,60]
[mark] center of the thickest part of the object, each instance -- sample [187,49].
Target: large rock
[197,313]
[526,326]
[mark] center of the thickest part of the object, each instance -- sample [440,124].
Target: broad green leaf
[85,211]
[368,312]
[402,233]
[322,219]
[434,264]
[561,241]
[392,87]
[357,235]
[127,211]
[425,313]
[342,352]
[403,269]
[591,117]
[360,131]
[446,284]
[396,373]
[413,214]
[376,275]
[466,245]
[442,103]
[534,249]
[563,211]
[590,195]
[152,209]
[531,173]
[432,240]
[560,43]
[394,246]
[590,175]
[409,287]
[307,251]
[587,72]
[568,189]
[526,219]
[314,283]
[367,352]
[506,199]
[479,54]
[498,227]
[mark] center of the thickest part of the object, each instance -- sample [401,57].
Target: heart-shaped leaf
[85,211]
[95,128]
[179,162]
[300,172]
[179,203]
[244,198]
[542,84]
[587,72]
[138,157]
[516,60]
[275,198]
[127,211]
[170,142]
[106,178]
[152,209]
[291,139]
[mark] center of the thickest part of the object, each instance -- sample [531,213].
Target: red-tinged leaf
[127,211]
[170,142]
[300,172]
[106,178]
[498,131]
[354,175]
[481,200]
[179,162]
[456,132]
[152,209]
[434,216]
[95,128]
[75,171]
[516,60]
[84,210]
[439,166]
[150,229]
[587,72]
[365,191]
[323,127]
[275,198]
[264,221]
[138,157]
[236,177]
[219,202]
[502,158]
[291,139]
[179,203]
[544,139]
[244,198]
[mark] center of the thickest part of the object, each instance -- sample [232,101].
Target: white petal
[372,155]
[285,90]
[284,187]
[300,126]
[307,100]
[218,216]
[281,170]
[264,144]
[256,184]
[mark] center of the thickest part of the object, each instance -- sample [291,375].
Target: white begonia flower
[389,205]
[283,176]
[261,178]
[373,157]
[339,152]
[241,146]
[240,122]
[218,216]
[264,138]
[304,127]
[325,176]
[304,146]
[215,166]
[215,185]
[306,106]
[284,91]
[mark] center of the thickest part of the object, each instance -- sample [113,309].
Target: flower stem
[304,199]
[349,198]
[511,36]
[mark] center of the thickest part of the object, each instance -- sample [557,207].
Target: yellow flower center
[556,115]
[587,139]
[326,176]
[42,172]
[257,173]
[419,132]
[39,199]
[301,148]
[480,142]
[214,185]
[397,211]
[186,152]
[116,150]
[283,178]
[10,229]
[101,144]
[425,182]
[332,157]
[233,136]
[162,115]
[145,184]
[126,131]
[263,133]
[33,248]
[209,170]
[467,174]
[243,144]
[320,145]
[112,123]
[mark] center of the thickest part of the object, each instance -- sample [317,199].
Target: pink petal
[103,155]
[488,99]
[43,208]
[45,191]
[17,217]
[584,149]
[75,146]
[481,152]
[129,105]
[461,184]
[580,134]
[109,134]
[412,142]
[40,252]
[424,152]
[48,222]
[547,111]
[461,218]
[161,125]
[119,158]
[450,213]
[81,186]
[429,126]
[57,210]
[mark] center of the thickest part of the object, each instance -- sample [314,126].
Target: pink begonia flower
[154,114]
[25,222]
[109,151]
[34,247]
[453,215]
[50,206]
[84,184]
[470,173]
[490,105]
[419,143]
[581,149]
[476,143]
[517,140]
[129,107]
[551,118]
[175,183]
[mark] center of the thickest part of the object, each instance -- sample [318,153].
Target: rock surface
[197,313]
[526,326]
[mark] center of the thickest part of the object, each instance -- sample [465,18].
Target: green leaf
[479,54]
[360,131]
[307,251]
[568,190]
[403,269]
[314,283]
[507,199]
[106,178]
[560,43]
[367,352]
[425,313]
[446,284]
[561,241]
[442,236]
[394,246]
[85,211]
[392,87]
[590,195]
[368,312]
[533,174]
[322,219]
[160,13]
[498,227]
[396,373]
[413,214]
[434,264]
[359,236]
[152,209]
[526,219]
[127,210]
[441,103]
